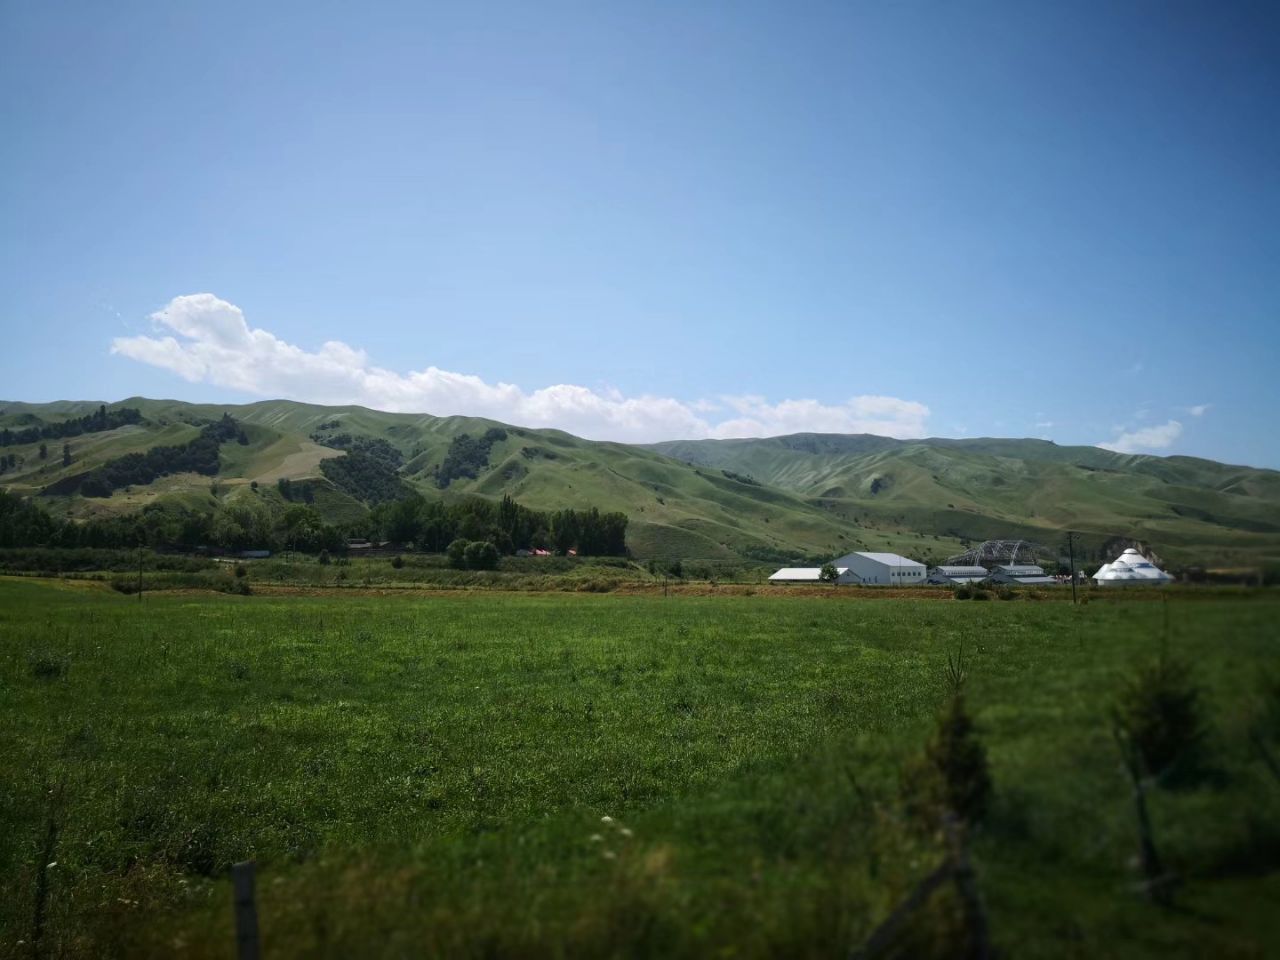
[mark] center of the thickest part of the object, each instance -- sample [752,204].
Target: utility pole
[1071,551]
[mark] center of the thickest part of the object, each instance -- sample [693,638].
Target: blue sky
[644,221]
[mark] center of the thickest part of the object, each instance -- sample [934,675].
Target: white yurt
[1130,569]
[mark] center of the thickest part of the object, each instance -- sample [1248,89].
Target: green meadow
[431,775]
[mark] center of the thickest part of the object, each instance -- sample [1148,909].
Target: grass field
[428,775]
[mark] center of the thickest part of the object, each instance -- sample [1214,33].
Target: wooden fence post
[246,909]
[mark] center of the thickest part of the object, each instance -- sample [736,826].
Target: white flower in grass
[610,855]
[596,838]
[606,819]
[626,832]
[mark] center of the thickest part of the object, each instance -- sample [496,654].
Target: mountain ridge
[797,495]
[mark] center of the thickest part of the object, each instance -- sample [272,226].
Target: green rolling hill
[1186,509]
[808,495]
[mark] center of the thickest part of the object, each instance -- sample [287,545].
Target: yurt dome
[1131,567]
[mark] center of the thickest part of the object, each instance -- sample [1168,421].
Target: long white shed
[808,575]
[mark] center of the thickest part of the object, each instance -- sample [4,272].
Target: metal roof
[890,559]
[954,571]
[804,573]
[1022,570]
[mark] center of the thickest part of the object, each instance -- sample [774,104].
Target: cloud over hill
[1146,438]
[205,339]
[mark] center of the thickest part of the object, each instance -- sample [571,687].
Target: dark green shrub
[1006,593]
[481,555]
[980,594]
[397,562]
[241,570]
[963,592]
[1160,710]
[323,558]
[952,776]
[457,553]
[961,761]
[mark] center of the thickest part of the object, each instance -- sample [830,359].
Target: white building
[808,575]
[954,576]
[1130,569]
[882,569]
[1022,574]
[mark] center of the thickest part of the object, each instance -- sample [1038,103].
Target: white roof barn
[1130,568]
[1022,574]
[807,575]
[953,575]
[882,569]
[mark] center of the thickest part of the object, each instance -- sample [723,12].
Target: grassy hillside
[676,510]
[1186,509]
[804,495]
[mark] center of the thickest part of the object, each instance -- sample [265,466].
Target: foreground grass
[428,776]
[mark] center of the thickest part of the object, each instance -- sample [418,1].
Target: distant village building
[953,575]
[808,575]
[882,569]
[1022,575]
[1131,569]
[871,569]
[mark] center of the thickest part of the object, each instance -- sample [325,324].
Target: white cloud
[1146,438]
[1199,410]
[887,416]
[206,340]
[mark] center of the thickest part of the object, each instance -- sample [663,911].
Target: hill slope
[675,509]
[1187,509]
[802,495]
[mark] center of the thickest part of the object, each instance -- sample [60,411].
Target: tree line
[467,456]
[432,525]
[367,477]
[96,422]
[244,523]
[258,522]
[199,455]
